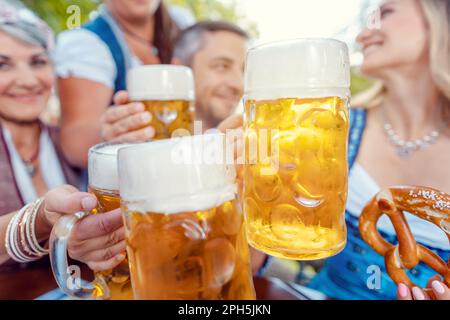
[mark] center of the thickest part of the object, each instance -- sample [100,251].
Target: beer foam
[176,175]
[302,68]
[160,82]
[102,167]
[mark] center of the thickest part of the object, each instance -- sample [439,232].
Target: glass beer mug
[296,126]
[184,231]
[112,284]
[167,91]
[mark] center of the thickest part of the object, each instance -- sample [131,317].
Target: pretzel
[426,203]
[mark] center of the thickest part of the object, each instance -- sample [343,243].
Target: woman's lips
[371,48]
[26,98]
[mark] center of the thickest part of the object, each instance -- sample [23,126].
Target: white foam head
[303,68]
[160,82]
[102,166]
[176,175]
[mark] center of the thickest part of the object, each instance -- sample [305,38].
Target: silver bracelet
[31,230]
[11,241]
[23,226]
[23,237]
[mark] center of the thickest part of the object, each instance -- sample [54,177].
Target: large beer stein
[184,231]
[296,128]
[168,93]
[112,284]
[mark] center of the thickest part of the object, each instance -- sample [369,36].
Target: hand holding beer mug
[296,128]
[103,183]
[184,230]
[167,92]
[126,122]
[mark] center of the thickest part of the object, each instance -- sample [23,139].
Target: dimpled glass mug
[296,126]
[184,230]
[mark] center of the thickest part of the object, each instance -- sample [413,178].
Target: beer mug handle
[71,285]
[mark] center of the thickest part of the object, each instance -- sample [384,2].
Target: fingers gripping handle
[68,277]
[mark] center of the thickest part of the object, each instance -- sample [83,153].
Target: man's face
[218,71]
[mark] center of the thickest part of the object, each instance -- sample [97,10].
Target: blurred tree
[209,9]
[359,82]
[57,12]
[218,10]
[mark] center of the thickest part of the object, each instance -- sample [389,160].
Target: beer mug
[184,231]
[112,284]
[296,126]
[167,91]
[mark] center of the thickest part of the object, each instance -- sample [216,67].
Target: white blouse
[362,188]
[82,54]
[50,167]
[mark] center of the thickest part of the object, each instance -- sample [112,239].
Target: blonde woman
[401,136]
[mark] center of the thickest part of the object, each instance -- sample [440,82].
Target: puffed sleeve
[82,54]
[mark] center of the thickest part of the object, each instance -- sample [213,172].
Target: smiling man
[215,50]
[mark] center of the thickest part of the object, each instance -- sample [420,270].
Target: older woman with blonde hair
[399,136]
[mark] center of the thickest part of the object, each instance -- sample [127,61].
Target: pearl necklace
[406,148]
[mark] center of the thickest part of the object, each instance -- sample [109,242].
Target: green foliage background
[55,11]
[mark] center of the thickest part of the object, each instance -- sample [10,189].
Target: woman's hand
[126,122]
[440,290]
[97,240]
[232,127]
[234,121]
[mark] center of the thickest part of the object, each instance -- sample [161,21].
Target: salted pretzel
[426,203]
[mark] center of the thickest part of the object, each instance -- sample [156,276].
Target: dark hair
[166,32]
[191,40]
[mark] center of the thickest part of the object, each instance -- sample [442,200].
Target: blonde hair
[437,15]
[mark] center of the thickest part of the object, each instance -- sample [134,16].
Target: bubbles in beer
[166,115]
[190,275]
[103,183]
[192,229]
[308,202]
[229,219]
[285,220]
[183,226]
[170,117]
[251,209]
[220,258]
[298,204]
[188,255]
[267,187]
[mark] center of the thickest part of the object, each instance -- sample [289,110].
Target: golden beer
[167,92]
[170,116]
[296,130]
[170,257]
[299,205]
[118,279]
[185,233]
[112,284]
